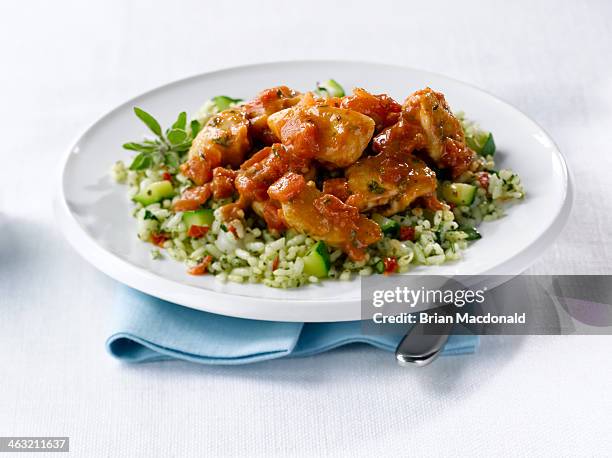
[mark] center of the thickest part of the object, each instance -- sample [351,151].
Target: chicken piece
[393,178]
[258,172]
[445,139]
[267,102]
[336,137]
[193,198]
[324,216]
[402,138]
[270,211]
[223,183]
[337,187]
[264,168]
[224,140]
[381,108]
[389,182]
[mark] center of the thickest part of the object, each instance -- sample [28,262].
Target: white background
[67,63]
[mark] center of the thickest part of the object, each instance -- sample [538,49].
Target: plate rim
[124,272]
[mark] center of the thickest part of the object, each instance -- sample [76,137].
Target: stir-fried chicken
[192,198]
[333,134]
[336,137]
[224,140]
[324,216]
[258,173]
[381,108]
[266,103]
[445,139]
[337,187]
[388,182]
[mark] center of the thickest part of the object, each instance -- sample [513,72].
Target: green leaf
[149,120]
[142,161]
[181,121]
[172,159]
[223,102]
[472,233]
[177,136]
[195,128]
[182,148]
[481,142]
[132,146]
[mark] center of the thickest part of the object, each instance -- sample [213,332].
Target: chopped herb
[375,187]
[471,232]
[156,254]
[223,227]
[149,215]
[223,140]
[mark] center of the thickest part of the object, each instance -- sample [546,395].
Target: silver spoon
[420,346]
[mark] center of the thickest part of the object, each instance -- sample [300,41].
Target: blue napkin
[150,329]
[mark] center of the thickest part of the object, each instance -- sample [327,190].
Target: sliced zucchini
[459,193]
[387,225]
[331,87]
[223,102]
[482,142]
[155,192]
[472,233]
[203,217]
[317,262]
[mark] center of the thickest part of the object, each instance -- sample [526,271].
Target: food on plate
[291,187]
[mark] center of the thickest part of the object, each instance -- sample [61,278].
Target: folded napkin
[151,329]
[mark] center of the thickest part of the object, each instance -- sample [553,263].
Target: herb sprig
[169,146]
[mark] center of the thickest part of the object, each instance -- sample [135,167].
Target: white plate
[95,213]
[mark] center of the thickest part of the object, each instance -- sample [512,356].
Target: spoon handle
[422,344]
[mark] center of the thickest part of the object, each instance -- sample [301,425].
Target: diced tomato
[287,187]
[192,198]
[483,180]
[199,170]
[390,265]
[167,176]
[158,238]
[197,231]
[431,202]
[406,233]
[381,108]
[273,216]
[233,230]
[275,263]
[223,183]
[337,187]
[202,267]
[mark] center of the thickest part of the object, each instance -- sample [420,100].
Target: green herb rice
[249,253]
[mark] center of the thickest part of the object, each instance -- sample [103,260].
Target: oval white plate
[95,213]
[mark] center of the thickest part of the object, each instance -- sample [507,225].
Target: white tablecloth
[66,63]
